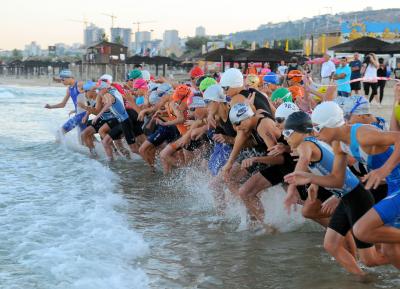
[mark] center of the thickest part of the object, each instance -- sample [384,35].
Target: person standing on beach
[342,76]
[381,72]
[328,69]
[72,92]
[370,73]
[355,66]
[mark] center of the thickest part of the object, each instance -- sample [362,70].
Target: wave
[63,223]
[195,182]
[27,91]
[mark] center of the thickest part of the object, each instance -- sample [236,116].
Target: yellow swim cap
[397,111]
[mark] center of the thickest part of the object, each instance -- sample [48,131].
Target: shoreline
[34,81]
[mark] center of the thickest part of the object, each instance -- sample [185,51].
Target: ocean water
[62,222]
[69,221]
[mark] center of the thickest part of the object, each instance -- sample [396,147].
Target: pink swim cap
[140,84]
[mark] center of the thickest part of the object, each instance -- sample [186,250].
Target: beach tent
[266,55]
[223,54]
[363,45]
[156,60]
[393,48]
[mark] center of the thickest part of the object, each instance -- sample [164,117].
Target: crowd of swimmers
[252,132]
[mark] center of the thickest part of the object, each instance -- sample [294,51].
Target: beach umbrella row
[242,55]
[366,45]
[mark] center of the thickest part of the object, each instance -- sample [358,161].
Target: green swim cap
[206,83]
[135,74]
[282,93]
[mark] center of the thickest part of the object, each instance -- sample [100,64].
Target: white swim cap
[328,114]
[286,109]
[214,93]
[232,78]
[240,112]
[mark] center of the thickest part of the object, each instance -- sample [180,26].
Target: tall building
[142,36]
[171,38]
[122,36]
[32,49]
[200,31]
[92,35]
[61,48]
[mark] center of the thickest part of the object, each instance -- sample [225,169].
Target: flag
[287,45]
[266,44]
[307,48]
[231,46]
[253,45]
[323,39]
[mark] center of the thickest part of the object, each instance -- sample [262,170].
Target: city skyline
[49,23]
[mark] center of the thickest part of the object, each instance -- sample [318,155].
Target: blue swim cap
[140,100]
[66,73]
[271,77]
[89,85]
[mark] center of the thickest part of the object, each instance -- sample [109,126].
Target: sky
[48,21]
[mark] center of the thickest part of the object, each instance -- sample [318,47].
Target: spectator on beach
[307,68]
[266,69]
[293,65]
[370,73]
[396,71]
[355,66]
[381,72]
[392,62]
[328,69]
[342,77]
[282,69]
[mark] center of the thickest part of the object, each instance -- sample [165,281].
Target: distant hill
[315,25]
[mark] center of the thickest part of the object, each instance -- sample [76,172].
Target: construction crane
[141,22]
[84,21]
[112,16]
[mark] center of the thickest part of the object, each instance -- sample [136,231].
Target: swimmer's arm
[131,100]
[266,130]
[330,93]
[85,107]
[240,140]
[305,153]
[173,83]
[179,118]
[99,105]
[376,137]
[62,104]
[336,178]
[195,123]
[108,103]
[305,156]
